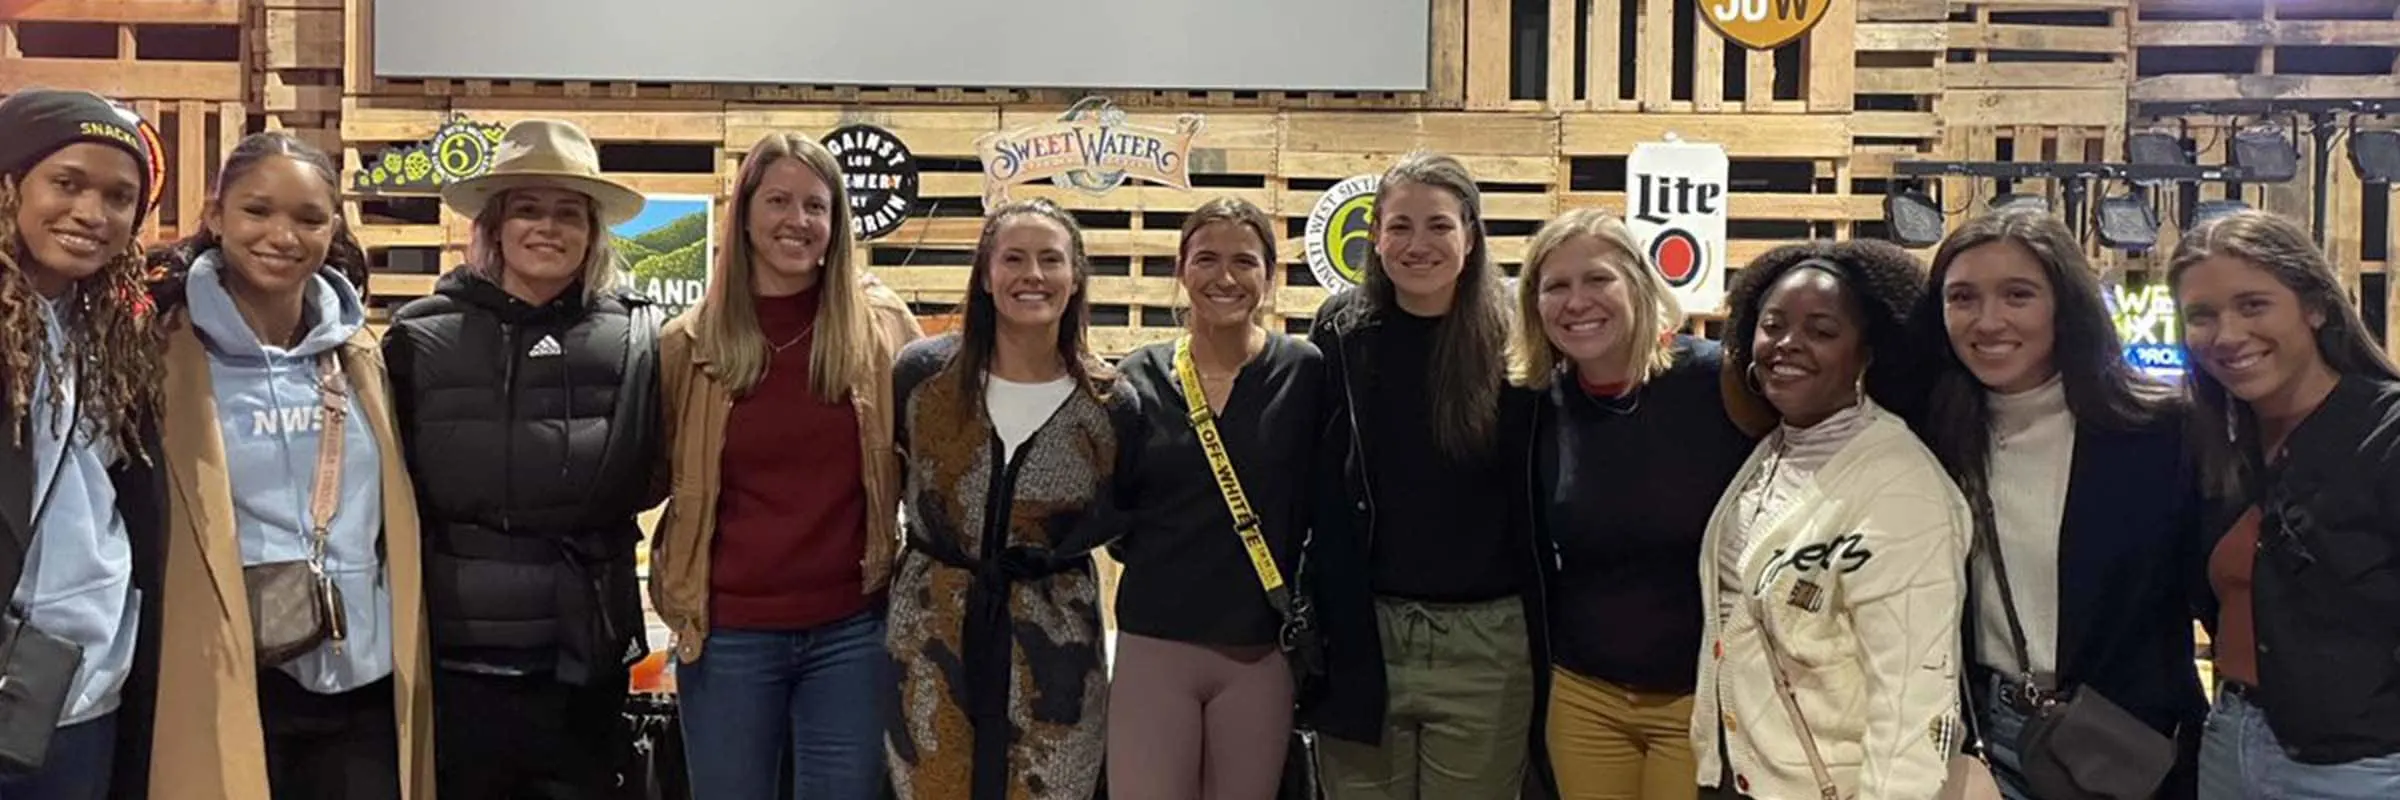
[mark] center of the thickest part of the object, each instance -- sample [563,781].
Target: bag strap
[1987,539]
[1245,521]
[58,466]
[1791,703]
[333,394]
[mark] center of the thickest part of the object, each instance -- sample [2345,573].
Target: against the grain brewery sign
[1764,24]
[1090,147]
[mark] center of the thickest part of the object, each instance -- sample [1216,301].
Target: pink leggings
[1196,722]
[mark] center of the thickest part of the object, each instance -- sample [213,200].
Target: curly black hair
[1882,281]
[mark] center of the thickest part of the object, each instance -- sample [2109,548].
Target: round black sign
[880,175]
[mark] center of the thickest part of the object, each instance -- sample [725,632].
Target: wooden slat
[1900,37]
[1775,136]
[1488,48]
[1761,94]
[1832,64]
[1562,57]
[1603,70]
[1708,69]
[303,39]
[1903,10]
[200,80]
[1655,84]
[1449,53]
[2049,106]
[2035,75]
[134,12]
[2044,38]
[192,163]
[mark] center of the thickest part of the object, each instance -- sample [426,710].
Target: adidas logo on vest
[545,348]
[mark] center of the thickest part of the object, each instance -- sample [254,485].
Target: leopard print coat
[995,625]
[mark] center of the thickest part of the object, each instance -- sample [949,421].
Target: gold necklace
[795,339]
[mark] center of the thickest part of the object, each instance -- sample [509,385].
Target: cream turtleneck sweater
[2033,447]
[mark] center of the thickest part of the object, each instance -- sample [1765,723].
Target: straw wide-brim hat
[547,154]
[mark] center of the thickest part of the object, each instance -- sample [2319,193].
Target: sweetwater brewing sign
[1090,148]
[1675,204]
[1763,24]
[880,174]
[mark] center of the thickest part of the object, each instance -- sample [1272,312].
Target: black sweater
[1624,489]
[1440,531]
[1187,577]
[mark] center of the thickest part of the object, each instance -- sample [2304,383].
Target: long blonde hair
[843,356]
[601,270]
[1655,309]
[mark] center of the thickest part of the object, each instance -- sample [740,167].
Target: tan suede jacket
[695,409]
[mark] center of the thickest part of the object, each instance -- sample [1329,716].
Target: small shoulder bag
[294,605]
[2085,748]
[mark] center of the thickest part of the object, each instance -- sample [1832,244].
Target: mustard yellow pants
[1610,743]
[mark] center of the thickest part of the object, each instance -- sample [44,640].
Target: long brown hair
[1470,344]
[109,334]
[980,334]
[2221,426]
[843,356]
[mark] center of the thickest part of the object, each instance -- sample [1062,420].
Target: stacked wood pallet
[179,63]
[2204,51]
[298,60]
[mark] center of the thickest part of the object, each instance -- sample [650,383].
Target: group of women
[1901,525]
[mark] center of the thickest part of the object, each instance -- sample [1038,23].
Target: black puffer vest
[532,434]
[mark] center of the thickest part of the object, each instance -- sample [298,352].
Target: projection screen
[1237,45]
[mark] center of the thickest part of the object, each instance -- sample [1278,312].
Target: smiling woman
[1015,445]
[1818,330]
[1632,445]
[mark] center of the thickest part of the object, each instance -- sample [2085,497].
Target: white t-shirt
[1018,409]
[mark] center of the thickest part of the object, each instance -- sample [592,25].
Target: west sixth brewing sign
[1675,204]
[1090,147]
[1763,24]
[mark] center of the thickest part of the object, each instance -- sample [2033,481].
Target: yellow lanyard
[1204,423]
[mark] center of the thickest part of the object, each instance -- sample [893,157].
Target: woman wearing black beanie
[81,512]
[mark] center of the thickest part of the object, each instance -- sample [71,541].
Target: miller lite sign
[1675,204]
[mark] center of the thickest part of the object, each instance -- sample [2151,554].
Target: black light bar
[2187,108]
[2034,170]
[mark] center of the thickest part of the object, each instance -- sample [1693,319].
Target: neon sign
[2145,320]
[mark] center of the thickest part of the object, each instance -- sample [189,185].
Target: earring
[1861,389]
[1751,382]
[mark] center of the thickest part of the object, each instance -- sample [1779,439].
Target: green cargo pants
[1458,712]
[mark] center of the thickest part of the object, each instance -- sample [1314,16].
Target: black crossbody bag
[2086,748]
[37,669]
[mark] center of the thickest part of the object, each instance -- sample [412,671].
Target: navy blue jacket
[2130,551]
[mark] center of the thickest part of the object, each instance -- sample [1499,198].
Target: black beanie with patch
[38,122]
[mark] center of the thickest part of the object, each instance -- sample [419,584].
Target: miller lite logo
[1676,195]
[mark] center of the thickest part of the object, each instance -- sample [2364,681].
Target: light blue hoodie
[267,416]
[84,592]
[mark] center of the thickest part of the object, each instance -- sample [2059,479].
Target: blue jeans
[2240,759]
[2002,725]
[754,698]
[81,757]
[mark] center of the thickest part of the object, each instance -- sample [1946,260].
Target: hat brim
[614,202]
